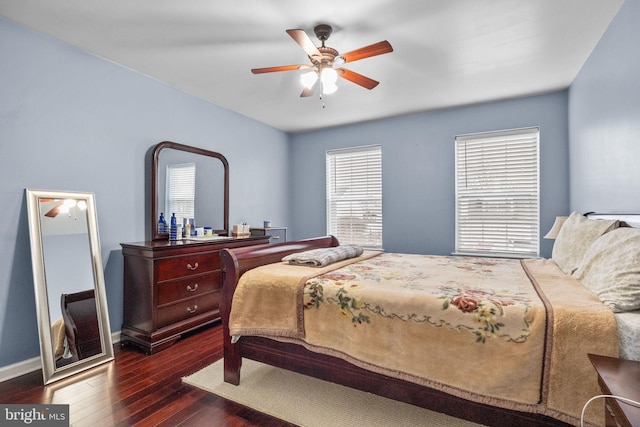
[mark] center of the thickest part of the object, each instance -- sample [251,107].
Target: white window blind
[181,191]
[354,196]
[497,193]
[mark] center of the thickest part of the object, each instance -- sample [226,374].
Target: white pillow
[575,237]
[611,269]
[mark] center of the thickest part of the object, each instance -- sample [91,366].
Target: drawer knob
[192,267]
[192,310]
[275,237]
[192,289]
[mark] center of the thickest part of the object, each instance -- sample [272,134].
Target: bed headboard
[627,220]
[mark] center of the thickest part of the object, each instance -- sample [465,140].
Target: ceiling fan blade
[54,211]
[368,51]
[308,91]
[356,78]
[305,42]
[279,68]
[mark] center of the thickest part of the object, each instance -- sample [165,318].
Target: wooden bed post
[230,276]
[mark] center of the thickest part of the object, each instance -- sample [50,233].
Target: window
[181,191]
[497,193]
[354,196]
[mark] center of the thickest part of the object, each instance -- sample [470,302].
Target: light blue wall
[72,121]
[604,117]
[418,192]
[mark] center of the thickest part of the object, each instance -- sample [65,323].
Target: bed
[511,350]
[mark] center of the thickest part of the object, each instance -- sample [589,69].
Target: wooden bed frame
[297,358]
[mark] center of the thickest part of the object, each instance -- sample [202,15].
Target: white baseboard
[26,366]
[20,368]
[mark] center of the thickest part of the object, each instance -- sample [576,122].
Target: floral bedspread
[458,321]
[478,328]
[467,301]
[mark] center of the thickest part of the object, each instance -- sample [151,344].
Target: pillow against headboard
[611,269]
[575,237]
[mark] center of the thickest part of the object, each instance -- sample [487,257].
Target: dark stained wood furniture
[81,324]
[297,358]
[171,288]
[619,377]
[210,193]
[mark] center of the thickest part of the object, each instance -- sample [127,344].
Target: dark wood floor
[141,390]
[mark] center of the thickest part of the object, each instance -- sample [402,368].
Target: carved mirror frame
[39,208]
[155,177]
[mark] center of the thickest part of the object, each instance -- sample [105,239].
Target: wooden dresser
[171,288]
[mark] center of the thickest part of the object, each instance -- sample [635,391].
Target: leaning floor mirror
[71,303]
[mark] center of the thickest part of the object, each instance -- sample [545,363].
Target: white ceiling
[446,52]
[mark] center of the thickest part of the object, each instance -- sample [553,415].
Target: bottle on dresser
[173,234]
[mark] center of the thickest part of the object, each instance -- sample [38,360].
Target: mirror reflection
[72,315]
[192,183]
[67,262]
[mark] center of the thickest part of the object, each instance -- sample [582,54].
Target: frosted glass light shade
[309,79]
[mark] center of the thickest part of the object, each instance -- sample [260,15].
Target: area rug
[309,402]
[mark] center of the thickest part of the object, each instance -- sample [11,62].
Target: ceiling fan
[61,206]
[325,67]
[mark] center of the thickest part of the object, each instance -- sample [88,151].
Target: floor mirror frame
[39,201]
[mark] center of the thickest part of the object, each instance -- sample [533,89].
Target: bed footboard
[234,263]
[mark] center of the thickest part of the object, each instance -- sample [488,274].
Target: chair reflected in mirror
[81,330]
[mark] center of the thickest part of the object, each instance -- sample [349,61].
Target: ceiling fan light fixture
[326,62]
[67,205]
[329,88]
[309,79]
[328,76]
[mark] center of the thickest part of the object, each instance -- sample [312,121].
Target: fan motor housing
[323,31]
[328,55]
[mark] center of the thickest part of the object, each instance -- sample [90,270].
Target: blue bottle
[173,235]
[162,224]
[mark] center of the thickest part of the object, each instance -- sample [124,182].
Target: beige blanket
[268,299]
[473,327]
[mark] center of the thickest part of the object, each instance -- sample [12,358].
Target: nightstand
[276,234]
[619,377]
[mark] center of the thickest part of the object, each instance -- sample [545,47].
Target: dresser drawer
[180,266]
[191,286]
[275,234]
[185,309]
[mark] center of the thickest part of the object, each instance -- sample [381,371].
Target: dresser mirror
[192,183]
[71,304]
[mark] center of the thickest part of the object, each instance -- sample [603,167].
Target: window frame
[365,200]
[520,229]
